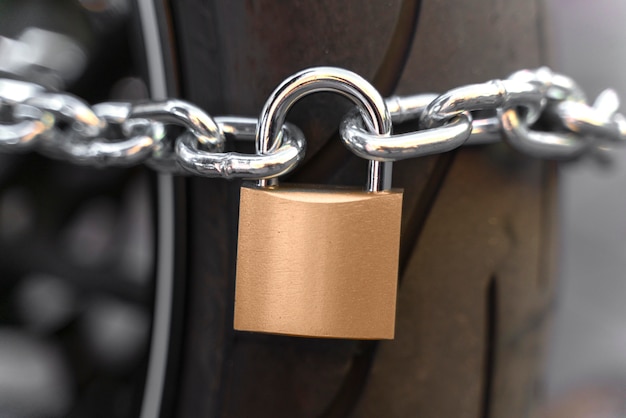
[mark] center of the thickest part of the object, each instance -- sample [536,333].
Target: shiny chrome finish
[201,125]
[599,121]
[403,146]
[584,120]
[33,117]
[329,79]
[21,134]
[491,95]
[540,144]
[14,91]
[586,124]
[102,153]
[607,102]
[236,165]
[159,154]
[555,86]
[72,146]
[485,131]
[543,144]
[70,109]
[114,112]
[88,137]
[408,108]
[237,128]
[434,111]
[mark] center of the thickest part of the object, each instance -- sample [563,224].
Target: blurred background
[586,362]
[76,275]
[76,243]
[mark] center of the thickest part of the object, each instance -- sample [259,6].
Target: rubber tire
[477,230]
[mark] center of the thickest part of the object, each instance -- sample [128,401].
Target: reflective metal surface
[408,108]
[600,120]
[587,125]
[135,148]
[409,145]
[173,111]
[67,108]
[537,143]
[19,135]
[328,79]
[491,95]
[243,129]
[237,165]
[120,134]
[556,86]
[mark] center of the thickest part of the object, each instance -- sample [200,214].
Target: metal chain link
[123,134]
[516,103]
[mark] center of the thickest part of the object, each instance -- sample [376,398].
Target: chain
[65,127]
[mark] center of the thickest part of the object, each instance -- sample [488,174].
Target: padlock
[319,261]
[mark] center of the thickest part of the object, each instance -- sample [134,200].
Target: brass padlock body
[318,262]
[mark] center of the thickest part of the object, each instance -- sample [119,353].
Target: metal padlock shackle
[326,79]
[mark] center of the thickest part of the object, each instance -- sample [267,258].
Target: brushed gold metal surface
[318,262]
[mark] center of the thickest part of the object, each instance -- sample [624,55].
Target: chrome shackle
[368,100]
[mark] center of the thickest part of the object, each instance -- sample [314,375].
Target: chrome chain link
[65,127]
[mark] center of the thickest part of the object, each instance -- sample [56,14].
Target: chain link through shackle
[121,134]
[370,105]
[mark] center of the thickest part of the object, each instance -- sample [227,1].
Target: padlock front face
[318,262]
